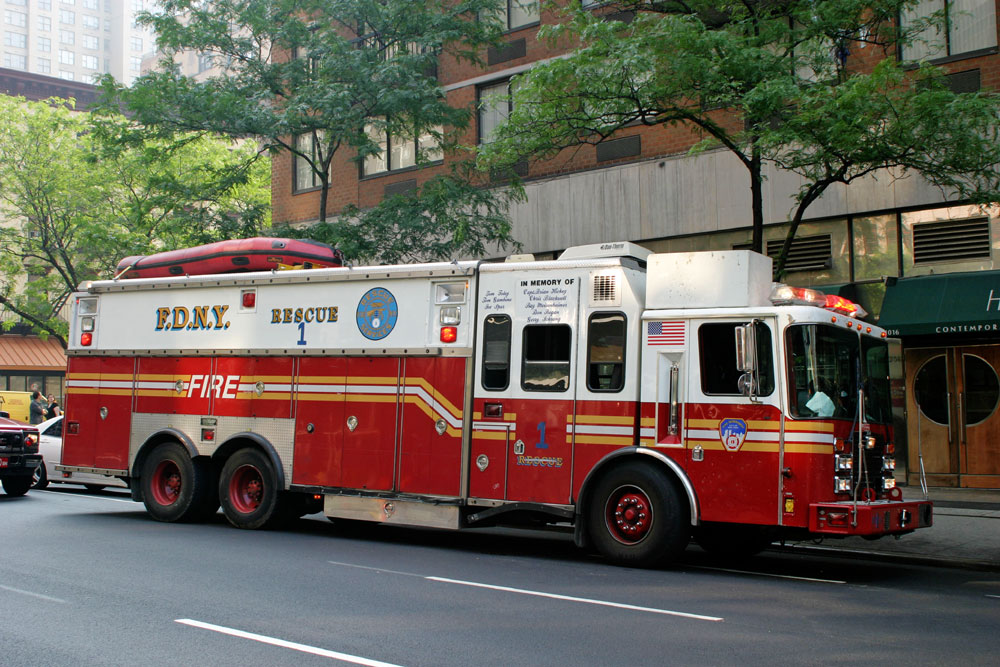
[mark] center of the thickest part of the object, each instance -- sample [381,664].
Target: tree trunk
[757,202]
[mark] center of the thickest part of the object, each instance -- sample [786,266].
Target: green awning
[946,304]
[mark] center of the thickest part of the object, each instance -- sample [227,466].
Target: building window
[91,4]
[67,17]
[21,3]
[304,177]
[66,57]
[546,350]
[969,26]
[67,37]
[44,44]
[44,23]
[90,42]
[44,65]
[45,5]
[91,22]
[136,43]
[518,13]
[19,19]
[15,61]
[496,352]
[15,39]
[88,62]
[398,152]
[495,104]
[68,2]
[66,74]
[204,62]
[135,64]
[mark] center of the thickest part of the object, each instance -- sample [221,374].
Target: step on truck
[643,399]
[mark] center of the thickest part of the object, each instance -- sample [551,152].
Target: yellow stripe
[508,416]
[647,421]
[370,398]
[599,419]
[427,410]
[602,440]
[322,379]
[808,449]
[150,377]
[438,396]
[158,392]
[825,427]
[490,435]
[81,390]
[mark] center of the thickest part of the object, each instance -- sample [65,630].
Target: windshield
[824,363]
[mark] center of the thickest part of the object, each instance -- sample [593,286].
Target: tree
[77,197]
[771,82]
[316,78]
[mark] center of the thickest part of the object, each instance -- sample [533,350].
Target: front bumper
[875,518]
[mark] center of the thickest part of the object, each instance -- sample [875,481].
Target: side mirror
[746,348]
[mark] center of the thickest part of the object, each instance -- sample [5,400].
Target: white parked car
[50,447]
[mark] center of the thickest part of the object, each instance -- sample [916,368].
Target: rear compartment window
[546,357]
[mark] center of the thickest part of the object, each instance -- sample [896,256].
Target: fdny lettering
[222,386]
[195,318]
[296,315]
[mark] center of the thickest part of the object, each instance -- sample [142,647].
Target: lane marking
[553,596]
[80,495]
[569,598]
[304,648]
[767,574]
[376,569]
[34,595]
[993,596]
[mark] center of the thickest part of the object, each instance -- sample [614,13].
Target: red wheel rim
[167,482]
[246,489]
[629,515]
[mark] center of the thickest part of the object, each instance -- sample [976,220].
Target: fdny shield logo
[733,432]
[377,313]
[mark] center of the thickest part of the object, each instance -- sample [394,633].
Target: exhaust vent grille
[605,290]
[951,241]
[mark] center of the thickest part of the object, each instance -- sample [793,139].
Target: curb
[888,556]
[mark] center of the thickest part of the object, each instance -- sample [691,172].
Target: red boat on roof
[235,256]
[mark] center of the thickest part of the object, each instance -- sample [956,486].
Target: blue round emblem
[377,313]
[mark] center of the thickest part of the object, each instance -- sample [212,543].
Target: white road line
[375,569]
[993,596]
[80,495]
[569,598]
[767,574]
[344,657]
[553,596]
[34,595]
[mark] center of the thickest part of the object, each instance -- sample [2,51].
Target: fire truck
[643,399]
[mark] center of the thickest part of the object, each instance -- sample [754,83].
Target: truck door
[525,398]
[732,440]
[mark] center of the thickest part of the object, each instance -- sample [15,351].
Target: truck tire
[176,487]
[248,489]
[636,516]
[17,486]
[40,479]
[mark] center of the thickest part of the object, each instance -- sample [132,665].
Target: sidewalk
[966,532]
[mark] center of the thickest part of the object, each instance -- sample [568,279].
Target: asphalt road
[89,579]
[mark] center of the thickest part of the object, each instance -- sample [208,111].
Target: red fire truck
[642,398]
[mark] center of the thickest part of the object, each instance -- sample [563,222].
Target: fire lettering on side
[223,386]
[195,318]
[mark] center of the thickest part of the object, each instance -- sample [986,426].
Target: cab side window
[606,352]
[496,352]
[717,348]
[546,362]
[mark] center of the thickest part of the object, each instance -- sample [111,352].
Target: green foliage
[769,82]
[326,70]
[80,191]
[446,218]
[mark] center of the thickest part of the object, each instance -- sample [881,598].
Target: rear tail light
[86,339]
[449,334]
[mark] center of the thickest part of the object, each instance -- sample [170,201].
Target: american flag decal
[665,333]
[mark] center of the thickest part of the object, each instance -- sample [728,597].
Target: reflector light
[249,299]
[841,484]
[890,448]
[208,434]
[87,324]
[30,440]
[837,518]
[73,428]
[86,339]
[889,483]
[844,463]
[784,295]
[839,444]
[449,334]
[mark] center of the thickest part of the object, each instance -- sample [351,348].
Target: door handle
[961,415]
[948,397]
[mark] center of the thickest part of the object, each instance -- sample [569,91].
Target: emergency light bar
[786,295]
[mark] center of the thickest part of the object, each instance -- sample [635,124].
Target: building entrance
[953,402]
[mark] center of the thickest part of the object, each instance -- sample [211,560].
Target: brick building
[929,266]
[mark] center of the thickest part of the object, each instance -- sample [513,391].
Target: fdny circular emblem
[733,432]
[377,312]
